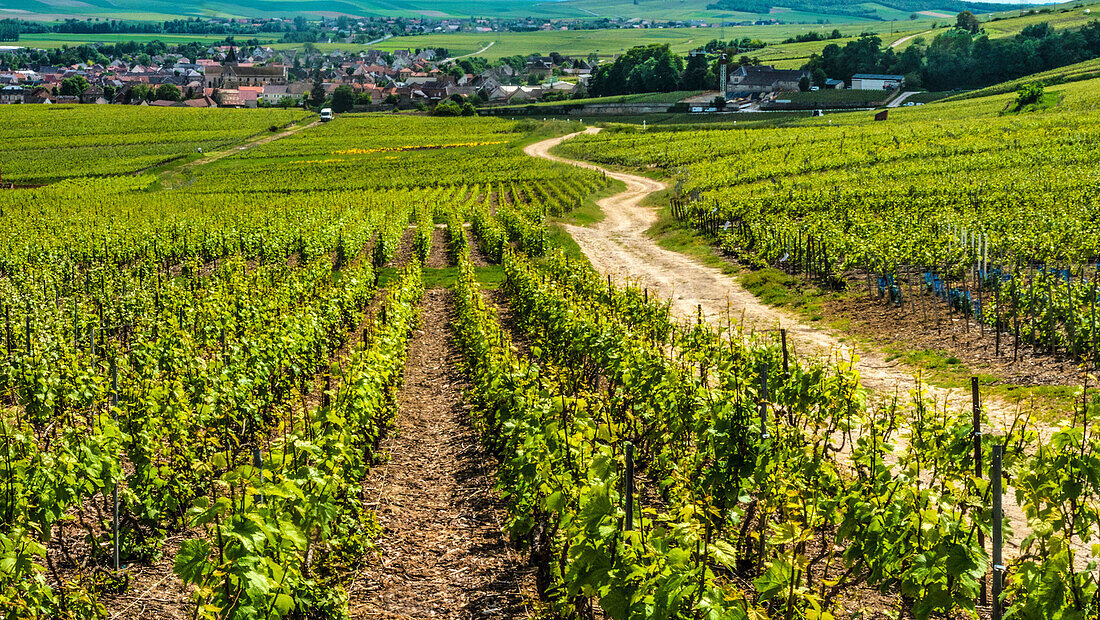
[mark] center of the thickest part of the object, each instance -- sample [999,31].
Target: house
[228,98]
[93,94]
[515,93]
[876,81]
[763,79]
[11,94]
[272,94]
[39,95]
[201,102]
[831,84]
[230,74]
[250,95]
[541,66]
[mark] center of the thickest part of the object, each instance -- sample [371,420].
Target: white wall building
[876,81]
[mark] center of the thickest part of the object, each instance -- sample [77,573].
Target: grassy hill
[797,11]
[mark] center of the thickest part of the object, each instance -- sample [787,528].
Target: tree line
[962,57]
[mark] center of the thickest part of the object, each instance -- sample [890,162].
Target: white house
[274,93]
[876,81]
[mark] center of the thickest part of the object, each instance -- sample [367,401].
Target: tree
[364,98]
[819,77]
[697,74]
[968,22]
[719,102]
[286,102]
[73,86]
[447,108]
[649,68]
[392,99]
[804,84]
[168,92]
[317,93]
[343,98]
[140,92]
[1029,94]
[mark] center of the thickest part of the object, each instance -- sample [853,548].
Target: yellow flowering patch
[419,147]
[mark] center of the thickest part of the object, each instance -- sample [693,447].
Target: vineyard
[947,212]
[39,146]
[205,374]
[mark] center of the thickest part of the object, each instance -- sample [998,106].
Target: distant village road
[482,50]
[904,39]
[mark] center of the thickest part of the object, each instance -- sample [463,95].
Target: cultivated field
[403,366]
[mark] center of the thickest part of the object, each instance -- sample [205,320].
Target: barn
[876,81]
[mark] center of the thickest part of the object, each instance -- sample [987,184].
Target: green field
[616,41]
[669,98]
[607,43]
[648,9]
[867,97]
[47,40]
[270,381]
[41,144]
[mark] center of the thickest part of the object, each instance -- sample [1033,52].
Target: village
[373,80]
[265,77]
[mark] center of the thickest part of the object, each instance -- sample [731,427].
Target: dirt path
[904,39]
[480,51]
[175,176]
[619,246]
[443,554]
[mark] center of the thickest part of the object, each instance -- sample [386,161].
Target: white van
[326,114]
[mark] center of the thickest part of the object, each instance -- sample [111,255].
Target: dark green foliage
[697,75]
[343,98]
[169,92]
[74,86]
[643,69]
[959,59]
[1029,94]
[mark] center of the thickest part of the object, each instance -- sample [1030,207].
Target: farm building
[231,74]
[763,79]
[876,81]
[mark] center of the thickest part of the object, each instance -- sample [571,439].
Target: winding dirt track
[619,246]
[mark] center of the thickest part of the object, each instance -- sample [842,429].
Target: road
[904,39]
[480,51]
[900,99]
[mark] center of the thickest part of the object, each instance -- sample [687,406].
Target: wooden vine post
[783,339]
[114,492]
[764,400]
[977,434]
[998,561]
[628,490]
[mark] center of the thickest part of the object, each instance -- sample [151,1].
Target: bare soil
[443,553]
[437,257]
[914,325]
